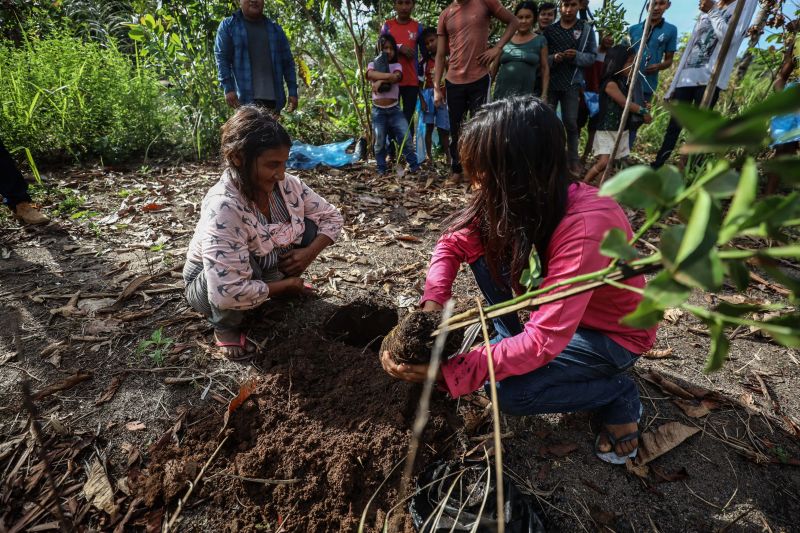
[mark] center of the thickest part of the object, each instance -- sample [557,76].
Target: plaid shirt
[233,60]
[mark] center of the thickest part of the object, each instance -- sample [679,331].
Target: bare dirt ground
[130,397]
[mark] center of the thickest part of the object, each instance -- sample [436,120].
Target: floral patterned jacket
[229,233]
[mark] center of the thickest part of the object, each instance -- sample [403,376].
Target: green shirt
[519,67]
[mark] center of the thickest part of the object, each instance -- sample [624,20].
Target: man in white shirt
[699,59]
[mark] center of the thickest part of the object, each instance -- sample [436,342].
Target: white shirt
[701,52]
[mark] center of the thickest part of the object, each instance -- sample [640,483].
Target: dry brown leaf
[135,425]
[110,391]
[664,438]
[658,354]
[692,408]
[245,391]
[601,517]
[673,315]
[98,489]
[64,384]
[637,470]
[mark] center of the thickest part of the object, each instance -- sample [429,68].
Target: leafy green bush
[60,96]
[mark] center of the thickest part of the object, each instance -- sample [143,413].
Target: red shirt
[573,250]
[407,35]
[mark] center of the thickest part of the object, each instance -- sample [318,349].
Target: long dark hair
[515,151]
[615,62]
[387,38]
[250,131]
[529,6]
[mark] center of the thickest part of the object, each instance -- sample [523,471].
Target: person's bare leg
[588,148]
[444,139]
[429,141]
[597,169]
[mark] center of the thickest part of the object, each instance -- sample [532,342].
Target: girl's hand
[295,262]
[290,287]
[648,118]
[411,373]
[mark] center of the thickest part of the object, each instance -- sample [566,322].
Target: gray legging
[196,291]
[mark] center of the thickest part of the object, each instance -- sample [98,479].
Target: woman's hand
[295,262]
[412,373]
[290,287]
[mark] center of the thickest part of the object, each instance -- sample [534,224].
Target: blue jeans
[588,375]
[391,122]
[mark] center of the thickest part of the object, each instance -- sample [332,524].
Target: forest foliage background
[125,79]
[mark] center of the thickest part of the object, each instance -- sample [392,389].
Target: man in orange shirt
[463,33]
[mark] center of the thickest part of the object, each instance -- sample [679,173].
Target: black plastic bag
[464,494]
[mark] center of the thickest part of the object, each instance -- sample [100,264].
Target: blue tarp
[304,156]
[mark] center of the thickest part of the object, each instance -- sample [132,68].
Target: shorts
[435,115]
[604,143]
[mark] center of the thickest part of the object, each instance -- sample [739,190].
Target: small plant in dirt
[156,347]
[71,202]
[411,342]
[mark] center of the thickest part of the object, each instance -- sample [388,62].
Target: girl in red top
[573,353]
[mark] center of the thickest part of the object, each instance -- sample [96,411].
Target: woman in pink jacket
[572,354]
[259,229]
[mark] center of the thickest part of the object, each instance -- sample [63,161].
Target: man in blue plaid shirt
[254,59]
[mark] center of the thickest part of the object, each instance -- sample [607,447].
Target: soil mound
[411,342]
[325,423]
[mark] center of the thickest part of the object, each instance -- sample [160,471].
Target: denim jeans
[390,122]
[588,375]
[196,291]
[569,100]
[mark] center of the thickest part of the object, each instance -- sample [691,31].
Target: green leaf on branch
[695,120]
[615,244]
[738,273]
[646,315]
[785,329]
[697,227]
[531,277]
[779,103]
[642,187]
[742,205]
[702,269]
[769,214]
[720,345]
[665,292]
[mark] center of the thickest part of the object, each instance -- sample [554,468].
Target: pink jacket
[229,232]
[573,250]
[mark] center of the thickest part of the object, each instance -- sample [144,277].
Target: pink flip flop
[222,344]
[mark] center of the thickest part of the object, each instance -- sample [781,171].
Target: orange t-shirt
[466,26]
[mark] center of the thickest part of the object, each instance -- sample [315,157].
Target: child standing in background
[387,119]
[407,33]
[432,115]
[613,88]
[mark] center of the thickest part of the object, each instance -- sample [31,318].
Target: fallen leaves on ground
[98,489]
[62,385]
[135,425]
[661,440]
[110,391]
[658,354]
[667,386]
[558,449]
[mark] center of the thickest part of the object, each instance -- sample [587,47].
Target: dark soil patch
[325,415]
[411,341]
[362,323]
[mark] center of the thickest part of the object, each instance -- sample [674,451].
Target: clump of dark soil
[411,341]
[362,323]
[327,421]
